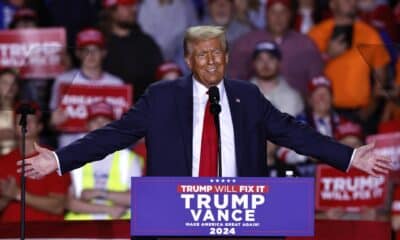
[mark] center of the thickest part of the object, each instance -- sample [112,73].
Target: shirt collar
[200,91]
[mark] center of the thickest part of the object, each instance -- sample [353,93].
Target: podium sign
[194,207]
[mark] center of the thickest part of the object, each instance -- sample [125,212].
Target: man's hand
[58,117]
[335,213]
[366,160]
[9,189]
[40,165]
[89,194]
[337,46]
[116,212]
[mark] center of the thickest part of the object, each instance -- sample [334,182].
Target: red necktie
[209,146]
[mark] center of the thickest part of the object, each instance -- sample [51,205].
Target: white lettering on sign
[36,53]
[243,206]
[352,188]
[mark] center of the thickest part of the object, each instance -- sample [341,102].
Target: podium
[222,207]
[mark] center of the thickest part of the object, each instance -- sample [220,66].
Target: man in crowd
[353,52]
[266,63]
[300,58]
[131,54]
[101,190]
[91,53]
[24,18]
[176,119]
[46,197]
[221,13]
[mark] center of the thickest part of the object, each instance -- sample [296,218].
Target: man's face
[221,11]
[207,60]
[17,3]
[344,7]
[321,100]
[366,5]
[98,122]
[25,24]
[171,76]
[33,126]
[8,86]
[278,19]
[125,15]
[91,56]
[266,66]
[307,3]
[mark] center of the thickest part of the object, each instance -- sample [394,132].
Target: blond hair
[201,33]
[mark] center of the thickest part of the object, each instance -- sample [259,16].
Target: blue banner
[185,206]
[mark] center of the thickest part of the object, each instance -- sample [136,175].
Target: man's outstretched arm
[283,130]
[94,146]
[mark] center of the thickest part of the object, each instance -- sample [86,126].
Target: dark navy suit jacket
[164,116]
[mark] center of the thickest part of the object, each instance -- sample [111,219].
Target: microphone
[213,94]
[25,109]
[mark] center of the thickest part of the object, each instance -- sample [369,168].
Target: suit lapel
[184,105]
[235,106]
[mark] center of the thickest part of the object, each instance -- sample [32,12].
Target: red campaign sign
[37,53]
[350,190]
[388,144]
[74,100]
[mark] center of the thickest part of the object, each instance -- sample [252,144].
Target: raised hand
[58,117]
[116,211]
[40,165]
[368,161]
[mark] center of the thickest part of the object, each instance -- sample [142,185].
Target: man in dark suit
[174,118]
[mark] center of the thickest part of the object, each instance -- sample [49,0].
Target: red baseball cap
[112,3]
[100,109]
[286,3]
[318,82]
[24,13]
[347,129]
[90,36]
[167,67]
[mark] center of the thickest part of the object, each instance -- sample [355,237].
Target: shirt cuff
[351,159]
[58,164]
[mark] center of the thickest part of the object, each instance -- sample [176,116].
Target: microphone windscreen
[213,93]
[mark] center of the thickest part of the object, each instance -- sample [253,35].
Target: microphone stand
[22,123]
[24,110]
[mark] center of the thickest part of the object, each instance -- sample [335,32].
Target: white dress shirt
[323,125]
[200,98]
